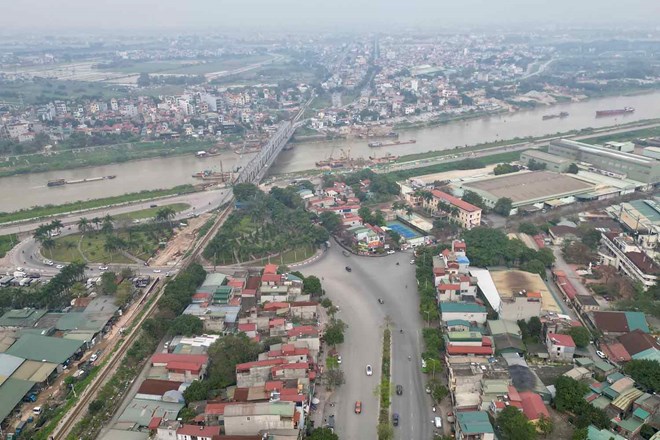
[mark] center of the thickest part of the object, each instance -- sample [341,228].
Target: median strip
[385,429]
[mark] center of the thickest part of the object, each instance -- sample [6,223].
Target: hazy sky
[48,15]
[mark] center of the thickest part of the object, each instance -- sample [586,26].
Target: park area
[186,67]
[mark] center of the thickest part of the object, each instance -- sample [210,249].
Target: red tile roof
[157,387]
[614,322]
[616,351]
[198,431]
[637,341]
[265,363]
[303,330]
[253,282]
[276,322]
[248,327]
[443,286]
[276,305]
[181,367]
[271,278]
[270,269]
[293,398]
[533,406]
[565,285]
[469,349]
[218,408]
[465,206]
[292,366]
[154,422]
[273,385]
[563,340]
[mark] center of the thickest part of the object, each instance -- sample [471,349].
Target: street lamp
[428,323]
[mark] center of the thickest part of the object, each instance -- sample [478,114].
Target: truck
[6,281]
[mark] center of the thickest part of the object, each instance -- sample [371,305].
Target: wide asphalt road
[356,294]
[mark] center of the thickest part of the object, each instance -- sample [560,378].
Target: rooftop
[455,201]
[474,422]
[456,307]
[528,187]
[12,392]
[44,348]
[547,157]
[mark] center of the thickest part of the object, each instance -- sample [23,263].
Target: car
[348,269]
[103,267]
[428,389]
[153,206]
[48,263]
[346,253]
[358,407]
[390,252]
[93,357]
[381,301]
[370,371]
[395,419]
[59,266]
[168,274]
[437,422]
[412,261]
[37,410]
[157,271]
[339,359]
[601,354]
[399,390]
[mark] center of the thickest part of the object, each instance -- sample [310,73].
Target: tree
[581,336]
[312,285]
[395,236]
[83,224]
[545,425]
[108,284]
[245,191]
[323,434]
[385,431]
[534,266]
[187,325]
[107,227]
[514,425]
[365,214]
[572,169]
[534,326]
[165,214]
[439,392]
[143,80]
[503,206]
[334,377]
[330,221]
[334,332]
[505,168]
[96,406]
[196,391]
[533,165]
[545,256]
[226,353]
[474,199]
[646,372]
[591,238]
[124,293]
[528,228]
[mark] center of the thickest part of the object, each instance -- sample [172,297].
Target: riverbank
[447,119]
[98,156]
[42,212]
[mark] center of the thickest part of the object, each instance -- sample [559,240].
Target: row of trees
[491,247]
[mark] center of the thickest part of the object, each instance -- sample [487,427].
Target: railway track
[80,408]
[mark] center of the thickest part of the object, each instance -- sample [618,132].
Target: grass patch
[627,136]
[291,256]
[42,90]
[385,388]
[331,362]
[188,67]
[6,243]
[458,165]
[51,210]
[151,212]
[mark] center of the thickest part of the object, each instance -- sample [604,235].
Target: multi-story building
[560,347]
[622,252]
[464,213]
[633,166]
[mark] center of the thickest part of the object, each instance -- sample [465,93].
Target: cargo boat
[391,144]
[556,115]
[60,182]
[619,111]
[56,182]
[331,163]
[213,175]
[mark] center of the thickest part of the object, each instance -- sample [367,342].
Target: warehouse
[552,162]
[526,188]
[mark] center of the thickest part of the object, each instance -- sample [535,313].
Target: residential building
[562,233]
[474,425]
[252,418]
[587,303]
[197,432]
[560,347]
[181,367]
[464,213]
[471,312]
[619,323]
[622,252]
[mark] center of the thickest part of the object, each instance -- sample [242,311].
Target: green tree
[439,392]
[165,214]
[475,199]
[385,431]
[646,372]
[591,238]
[226,353]
[83,225]
[323,434]
[503,206]
[187,325]
[545,425]
[108,283]
[96,406]
[505,168]
[546,256]
[124,293]
[535,326]
[330,221]
[196,391]
[514,425]
[245,191]
[366,215]
[312,285]
[528,228]
[334,332]
[334,378]
[572,169]
[581,336]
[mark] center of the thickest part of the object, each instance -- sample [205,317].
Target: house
[474,425]
[155,389]
[587,303]
[640,345]
[197,432]
[560,234]
[471,312]
[464,213]
[629,258]
[507,336]
[533,406]
[468,344]
[560,347]
[252,418]
[256,373]
[619,323]
[182,367]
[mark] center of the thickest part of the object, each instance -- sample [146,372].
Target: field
[290,256]
[151,212]
[270,74]
[190,67]
[141,242]
[50,210]
[627,136]
[449,166]
[6,243]
[44,90]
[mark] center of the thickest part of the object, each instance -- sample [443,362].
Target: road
[356,294]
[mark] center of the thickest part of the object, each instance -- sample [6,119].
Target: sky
[284,15]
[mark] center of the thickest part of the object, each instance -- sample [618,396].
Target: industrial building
[552,162]
[618,163]
[526,188]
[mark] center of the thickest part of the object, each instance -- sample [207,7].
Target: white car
[103,267]
[390,252]
[157,271]
[370,372]
[48,263]
[59,266]
[412,261]
[37,410]
[339,359]
[601,354]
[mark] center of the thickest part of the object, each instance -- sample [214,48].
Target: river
[28,190]
[476,131]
